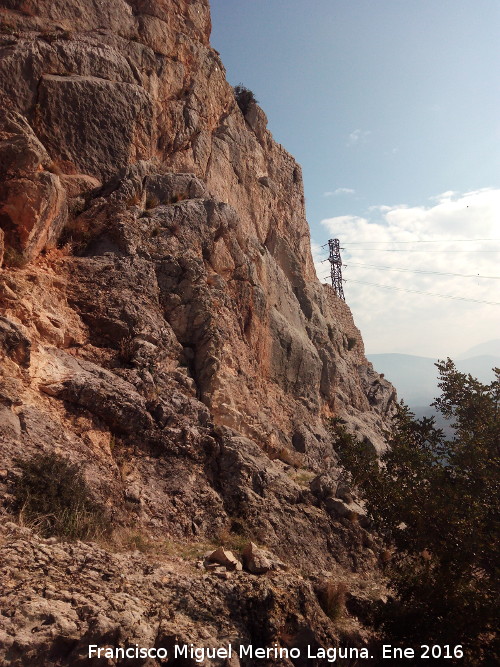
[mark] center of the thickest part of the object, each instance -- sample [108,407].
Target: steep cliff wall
[161,323]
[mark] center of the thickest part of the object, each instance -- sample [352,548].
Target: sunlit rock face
[162,324]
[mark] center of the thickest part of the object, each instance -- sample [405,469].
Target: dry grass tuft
[52,498]
[13,258]
[332,599]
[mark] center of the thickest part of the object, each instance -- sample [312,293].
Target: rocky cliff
[162,327]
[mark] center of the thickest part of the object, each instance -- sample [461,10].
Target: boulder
[259,561]
[225,558]
[254,560]
[323,486]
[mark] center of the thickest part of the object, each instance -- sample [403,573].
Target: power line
[442,296]
[437,273]
[419,241]
[439,251]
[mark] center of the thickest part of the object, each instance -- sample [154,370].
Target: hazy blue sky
[392,109]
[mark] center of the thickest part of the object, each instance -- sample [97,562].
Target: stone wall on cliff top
[161,321]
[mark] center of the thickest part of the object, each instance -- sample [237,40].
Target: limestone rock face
[162,327]
[33,207]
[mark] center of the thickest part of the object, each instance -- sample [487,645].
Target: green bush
[351,343]
[244,98]
[51,495]
[436,499]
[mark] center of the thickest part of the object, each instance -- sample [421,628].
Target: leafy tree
[437,500]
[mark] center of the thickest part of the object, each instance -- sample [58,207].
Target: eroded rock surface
[125,599]
[162,327]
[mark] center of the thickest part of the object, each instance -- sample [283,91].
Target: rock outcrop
[162,326]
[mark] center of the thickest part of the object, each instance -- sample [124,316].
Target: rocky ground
[162,328]
[70,596]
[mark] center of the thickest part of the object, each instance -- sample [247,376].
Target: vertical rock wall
[161,323]
[131,81]
[128,94]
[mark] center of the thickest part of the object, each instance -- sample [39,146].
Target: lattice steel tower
[336,270]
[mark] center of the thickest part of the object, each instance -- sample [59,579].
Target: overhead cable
[421,241]
[437,273]
[427,251]
[442,296]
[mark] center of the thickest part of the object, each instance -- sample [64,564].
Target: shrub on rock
[52,495]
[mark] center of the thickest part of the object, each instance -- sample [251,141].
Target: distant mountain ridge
[416,378]
[490,347]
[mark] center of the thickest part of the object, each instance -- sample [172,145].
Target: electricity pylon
[336,270]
